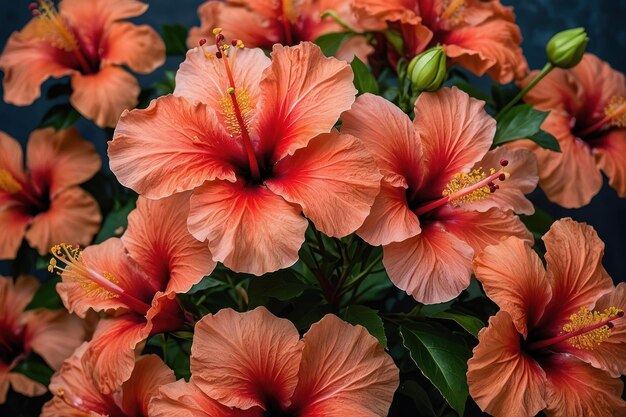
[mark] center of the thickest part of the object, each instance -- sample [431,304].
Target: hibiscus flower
[480,36]
[51,334]
[437,205]
[587,107]
[558,342]
[264,368]
[43,202]
[254,140]
[135,279]
[86,40]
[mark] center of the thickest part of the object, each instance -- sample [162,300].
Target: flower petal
[26,386]
[172,146]
[303,95]
[157,238]
[344,371]
[574,263]
[15,296]
[138,47]
[60,159]
[11,157]
[74,216]
[248,228]
[433,267]
[100,13]
[456,132]
[610,154]
[502,379]
[103,96]
[149,374]
[13,222]
[258,361]
[514,278]
[334,179]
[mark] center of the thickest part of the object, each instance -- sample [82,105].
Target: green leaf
[46,296]
[538,223]
[59,117]
[546,140]
[175,38]
[419,396]
[117,221]
[442,357]
[503,94]
[206,283]
[330,42]
[369,319]
[520,122]
[165,87]
[282,285]
[364,81]
[35,368]
[470,323]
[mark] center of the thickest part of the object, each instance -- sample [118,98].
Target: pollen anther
[615,111]
[8,183]
[51,27]
[596,335]
[246,108]
[461,181]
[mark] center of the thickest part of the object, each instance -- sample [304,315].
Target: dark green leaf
[282,285]
[205,284]
[546,140]
[175,38]
[117,221]
[538,223]
[166,86]
[59,117]
[46,296]
[520,122]
[470,323]
[330,42]
[35,368]
[364,81]
[367,318]
[442,357]
[502,94]
[419,396]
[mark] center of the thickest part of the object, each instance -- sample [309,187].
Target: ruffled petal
[514,278]
[610,154]
[406,11]
[157,238]
[13,222]
[433,267]
[138,47]
[344,371]
[334,179]
[26,386]
[172,146]
[103,96]
[303,95]
[15,296]
[248,228]
[100,13]
[259,356]
[149,374]
[11,157]
[502,379]
[73,217]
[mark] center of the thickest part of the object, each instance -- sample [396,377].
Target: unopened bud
[427,71]
[566,48]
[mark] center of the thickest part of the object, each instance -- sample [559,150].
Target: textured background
[539,19]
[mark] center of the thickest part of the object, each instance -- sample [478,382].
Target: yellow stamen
[454,11]
[616,111]
[465,187]
[246,106]
[288,11]
[217,31]
[50,26]
[594,337]
[8,183]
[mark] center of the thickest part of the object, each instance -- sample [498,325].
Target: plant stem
[545,71]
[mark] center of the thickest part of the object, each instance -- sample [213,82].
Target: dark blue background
[539,19]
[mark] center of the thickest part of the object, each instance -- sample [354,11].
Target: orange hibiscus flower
[51,334]
[265,369]
[75,394]
[135,279]
[587,107]
[254,140]
[559,341]
[437,206]
[480,36]
[44,203]
[87,40]
[264,23]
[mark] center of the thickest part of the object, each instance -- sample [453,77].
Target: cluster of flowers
[256,154]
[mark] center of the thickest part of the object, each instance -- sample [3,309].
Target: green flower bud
[566,49]
[427,71]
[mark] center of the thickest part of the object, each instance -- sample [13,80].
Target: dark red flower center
[33,200]
[12,344]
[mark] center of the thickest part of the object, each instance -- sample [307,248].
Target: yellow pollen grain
[51,27]
[8,183]
[246,107]
[616,111]
[454,11]
[461,181]
[216,31]
[585,318]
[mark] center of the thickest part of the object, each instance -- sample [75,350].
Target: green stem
[545,71]
[333,15]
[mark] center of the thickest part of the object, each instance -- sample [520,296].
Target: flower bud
[427,71]
[566,48]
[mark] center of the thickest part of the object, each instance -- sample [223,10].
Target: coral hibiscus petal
[13,222]
[11,157]
[149,374]
[334,179]
[514,278]
[157,238]
[100,13]
[577,389]
[303,95]
[138,47]
[433,267]
[172,146]
[103,96]
[610,155]
[456,132]
[502,379]
[26,386]
[258,360]
[73,217]
[14,297]
[360,380]
[249,228]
